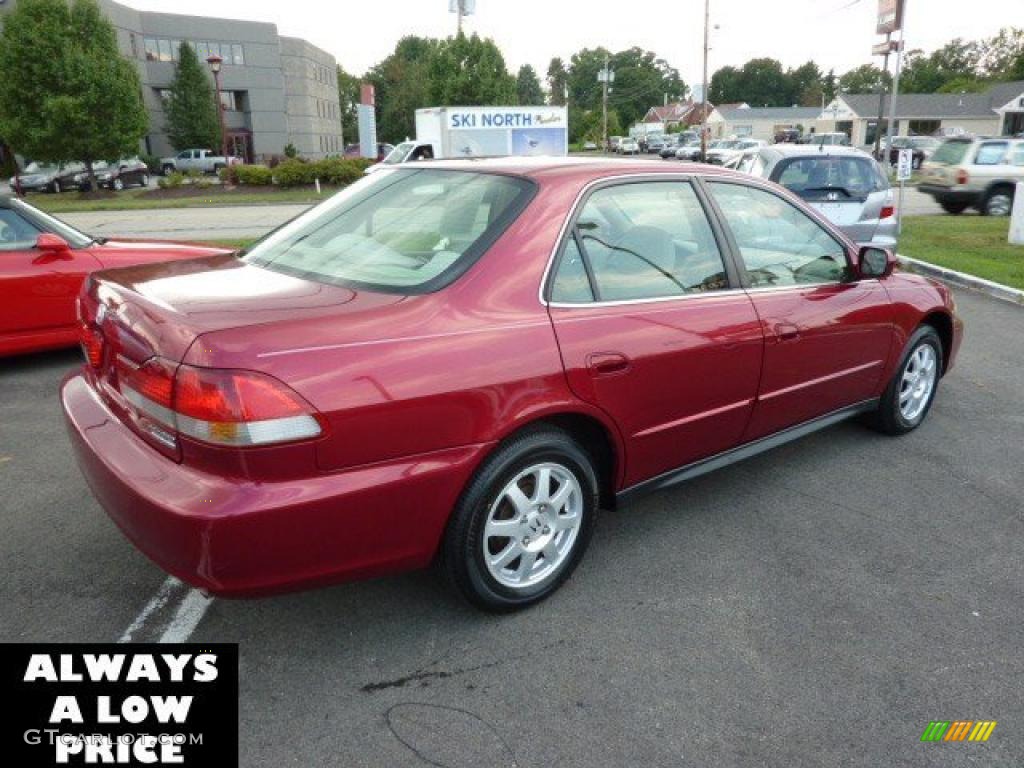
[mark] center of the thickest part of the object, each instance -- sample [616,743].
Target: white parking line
[185,621]
[188,606]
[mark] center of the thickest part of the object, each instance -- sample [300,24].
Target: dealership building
[276,90]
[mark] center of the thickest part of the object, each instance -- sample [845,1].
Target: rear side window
[1018,154]
[823,177]
[397,231]
[642,240]
[991,153]
[780,244]
[951,152]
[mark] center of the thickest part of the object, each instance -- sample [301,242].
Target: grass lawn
[976,245]
[138,199]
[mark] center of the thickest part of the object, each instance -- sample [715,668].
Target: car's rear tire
[909,396]
[145,180]
[118,184]
[548,528]
[998,202]
[954,208]
[167,170]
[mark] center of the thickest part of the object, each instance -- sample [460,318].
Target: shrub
[153,163]
[229,175]
[252,175]
[171,180]
[294,173]
[290,151]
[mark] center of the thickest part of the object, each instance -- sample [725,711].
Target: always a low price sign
[119,705]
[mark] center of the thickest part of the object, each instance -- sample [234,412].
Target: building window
[152,49]
[165,50]
[164,94]
[924,127]
[229,101]
[237,55]
[135,46]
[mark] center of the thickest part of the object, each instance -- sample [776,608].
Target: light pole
[704,91]
[606,77]
[215,63]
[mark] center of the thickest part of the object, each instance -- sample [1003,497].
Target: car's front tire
[523,522]
[909,396]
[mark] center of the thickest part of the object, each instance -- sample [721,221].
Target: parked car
[589,146]
[613,143]
[826,139]
[977,173]
[383,150]
[691,152]
[922,147]
[43,177]
[378,388]
[43,263]
[628,146]
[844,184]
[732,150]
[655,144]
[201,160]
[670,152]
[788,136]
[127,172]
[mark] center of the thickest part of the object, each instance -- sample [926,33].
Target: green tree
[806,84]
[349,95]
[558,82]
[402,85]
[470,70]
[191,113]
[725,86]
[642,80]
[764,84]
[528,90]
[66,93]
[1002,56]
[584,89]
[866,78]
[830,86]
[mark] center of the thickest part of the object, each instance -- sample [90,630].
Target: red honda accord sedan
[464,361]
[43,263]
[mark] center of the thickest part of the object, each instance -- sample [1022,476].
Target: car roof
[572,168]
[800,150]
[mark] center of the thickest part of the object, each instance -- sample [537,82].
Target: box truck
[456,132]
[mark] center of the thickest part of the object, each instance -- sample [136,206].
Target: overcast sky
[835,33]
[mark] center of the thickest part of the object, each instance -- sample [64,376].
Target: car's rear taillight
[217,406]
[962,177]
[91,338]
[887,212]
[240,408]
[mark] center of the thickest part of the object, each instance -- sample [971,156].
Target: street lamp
[215,63]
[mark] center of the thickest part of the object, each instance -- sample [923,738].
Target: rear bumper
[949,194]
[237,537]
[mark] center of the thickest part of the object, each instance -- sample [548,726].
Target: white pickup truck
[202,160]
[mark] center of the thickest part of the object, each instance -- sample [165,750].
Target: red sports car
[465,360]
[43,263]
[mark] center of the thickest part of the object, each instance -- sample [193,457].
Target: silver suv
[843,183]
[977,173]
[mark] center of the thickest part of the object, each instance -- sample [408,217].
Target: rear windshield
[825,177]
[951,152]
[397,231]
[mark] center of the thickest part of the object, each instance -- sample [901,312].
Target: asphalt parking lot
[815,606]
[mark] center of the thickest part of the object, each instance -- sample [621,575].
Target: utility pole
[461,11]
[881,99]
[704,92]
[606,77]
[896,82]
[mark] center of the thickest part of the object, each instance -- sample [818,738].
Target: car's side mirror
[876,263]
[52,245]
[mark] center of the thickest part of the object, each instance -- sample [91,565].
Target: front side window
[642,240]
[16,234]
[991,153]
[397,231]
[780,244]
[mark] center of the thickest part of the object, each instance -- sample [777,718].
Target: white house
[761,122]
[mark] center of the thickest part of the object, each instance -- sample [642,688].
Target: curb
[961,280]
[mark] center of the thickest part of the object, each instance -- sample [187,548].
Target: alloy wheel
[532,525]
[918,382]
[118,184]
[999,204]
